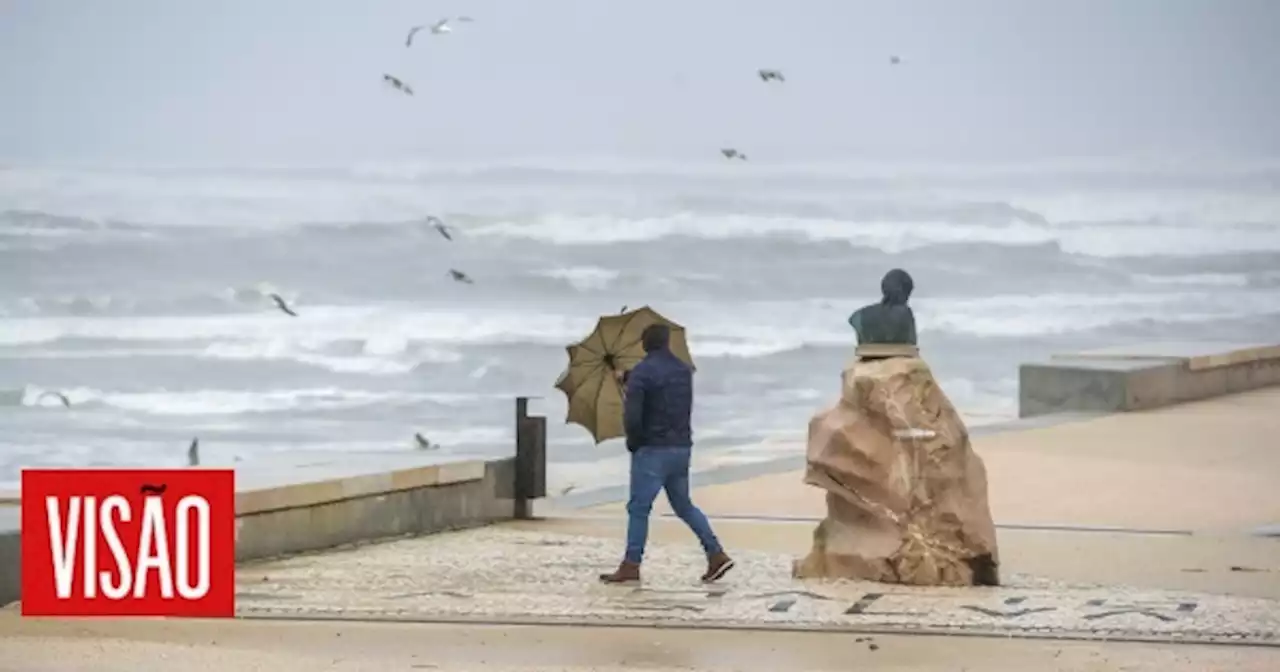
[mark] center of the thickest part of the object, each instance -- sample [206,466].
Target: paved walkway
[81,645]
[507,575]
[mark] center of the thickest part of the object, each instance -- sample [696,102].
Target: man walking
[659,403]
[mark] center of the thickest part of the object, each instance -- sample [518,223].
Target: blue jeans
[655,468]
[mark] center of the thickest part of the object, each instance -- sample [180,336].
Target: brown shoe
[627,572]
[718,565]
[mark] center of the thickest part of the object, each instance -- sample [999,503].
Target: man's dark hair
[656,337]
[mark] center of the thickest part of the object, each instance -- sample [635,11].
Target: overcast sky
[300,80]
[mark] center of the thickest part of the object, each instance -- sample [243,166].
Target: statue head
[896,287]
[890,321]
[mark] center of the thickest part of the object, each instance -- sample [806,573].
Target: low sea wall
[1116,380]
[275,519]
[10,554]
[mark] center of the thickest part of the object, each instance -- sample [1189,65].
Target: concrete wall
[10,556]
[1132,379]
[459,503]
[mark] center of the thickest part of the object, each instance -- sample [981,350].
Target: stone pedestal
[906,494]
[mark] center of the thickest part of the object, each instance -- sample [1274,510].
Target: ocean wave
[1259,279]
[318,326]
[1123,219]
[1099,239]
[227,299]
[889,236]
[582,278]
[1196,279]
[378,358]
[318,354]
[221,402]
[46,228]
[397,339]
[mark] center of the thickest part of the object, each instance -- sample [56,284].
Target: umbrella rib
[614,346]
[584,346]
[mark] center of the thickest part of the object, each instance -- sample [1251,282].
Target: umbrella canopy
[590,383]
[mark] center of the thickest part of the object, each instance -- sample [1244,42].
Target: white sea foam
[1197,279]
[1101,239]
[226,402]
[1142,220]
[318,324]
[583,278]
[396,340]
[285,350]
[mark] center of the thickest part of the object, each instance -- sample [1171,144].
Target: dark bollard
[531,459]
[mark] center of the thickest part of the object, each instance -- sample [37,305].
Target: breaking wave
[228,402]
[392,341]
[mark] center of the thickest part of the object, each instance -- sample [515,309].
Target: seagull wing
[408,42]
[440,24]
[58,395]
[282,305]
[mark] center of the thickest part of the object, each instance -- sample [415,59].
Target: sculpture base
[906,494]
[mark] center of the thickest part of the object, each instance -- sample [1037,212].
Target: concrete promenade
[292,646]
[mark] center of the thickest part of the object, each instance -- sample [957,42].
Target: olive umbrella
[591,383]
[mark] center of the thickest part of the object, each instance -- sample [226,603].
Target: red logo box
[128,542]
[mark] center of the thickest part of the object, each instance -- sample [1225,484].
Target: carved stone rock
[906,494]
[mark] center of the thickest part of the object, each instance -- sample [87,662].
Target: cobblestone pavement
[503,575]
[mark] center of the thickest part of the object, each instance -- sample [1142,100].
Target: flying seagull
[193,453]
[60,397]
[894,60]
[766,75]
[438,28]
[731,153]
[282,305]
[460,276]
[397,84]
[439,225]
[624,309]
[408,41]
[423,443]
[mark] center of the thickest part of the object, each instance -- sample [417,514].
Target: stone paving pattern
[496,574]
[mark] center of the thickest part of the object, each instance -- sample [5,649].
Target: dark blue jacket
[659,402]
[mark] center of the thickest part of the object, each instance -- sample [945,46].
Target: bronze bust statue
[889,322]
